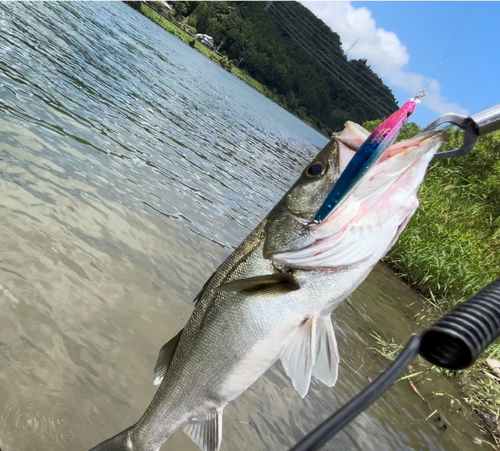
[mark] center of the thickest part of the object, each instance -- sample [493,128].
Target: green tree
[308,77]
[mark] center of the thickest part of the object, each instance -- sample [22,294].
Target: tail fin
[120,442]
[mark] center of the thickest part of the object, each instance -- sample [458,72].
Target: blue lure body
[364,158]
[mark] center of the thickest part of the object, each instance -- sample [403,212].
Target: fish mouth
[368,220]
[368,153]
[414,149]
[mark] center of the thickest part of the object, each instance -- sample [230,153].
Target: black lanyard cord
[454,342]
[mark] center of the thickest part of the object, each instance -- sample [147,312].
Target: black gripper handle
[457,339]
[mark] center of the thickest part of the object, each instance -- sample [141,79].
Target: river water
[130,167]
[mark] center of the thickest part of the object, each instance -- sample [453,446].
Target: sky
[405,43]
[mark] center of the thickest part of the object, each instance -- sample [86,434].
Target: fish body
[233,338]
[272,298]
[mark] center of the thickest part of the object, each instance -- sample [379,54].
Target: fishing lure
[367,155]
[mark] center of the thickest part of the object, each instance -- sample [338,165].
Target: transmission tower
[354,44]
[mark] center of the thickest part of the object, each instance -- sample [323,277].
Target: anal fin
[206,432]
[298,355]
[164,358]
[326,363]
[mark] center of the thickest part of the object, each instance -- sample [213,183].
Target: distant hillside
[288,49]
[295,55]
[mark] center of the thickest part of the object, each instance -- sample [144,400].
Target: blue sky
[404,42]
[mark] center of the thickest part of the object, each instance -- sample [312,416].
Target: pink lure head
[389,129]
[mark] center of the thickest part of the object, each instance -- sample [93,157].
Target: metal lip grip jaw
[478,124]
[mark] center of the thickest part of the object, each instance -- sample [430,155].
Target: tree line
[285,47]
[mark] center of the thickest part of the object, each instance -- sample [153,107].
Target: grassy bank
[221,60]
[185,37]
[166,24]
[451,248]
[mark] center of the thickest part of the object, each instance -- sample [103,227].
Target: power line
[383,93]
[316,55]
[292,26]
[353,89]
[335,52]
[345,75]
[466,10]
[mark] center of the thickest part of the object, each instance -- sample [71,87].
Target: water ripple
[31,428]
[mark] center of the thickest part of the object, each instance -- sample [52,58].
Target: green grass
[164,23]
[451,248]
[388,349]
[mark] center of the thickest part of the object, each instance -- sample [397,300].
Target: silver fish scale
[195,373]
[218,344]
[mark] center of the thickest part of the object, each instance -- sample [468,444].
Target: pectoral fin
[268,285]
[206,432]
[297,357]
[164,358]
[327,355]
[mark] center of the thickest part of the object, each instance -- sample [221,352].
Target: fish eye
[315,170]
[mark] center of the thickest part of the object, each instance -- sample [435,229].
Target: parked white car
[206,39]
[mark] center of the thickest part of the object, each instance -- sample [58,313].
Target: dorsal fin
[164,358]
[206,432]
[267,285]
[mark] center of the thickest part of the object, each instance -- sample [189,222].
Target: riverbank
[479,385]
[221,60]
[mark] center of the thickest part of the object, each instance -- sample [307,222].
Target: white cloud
[383,50]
